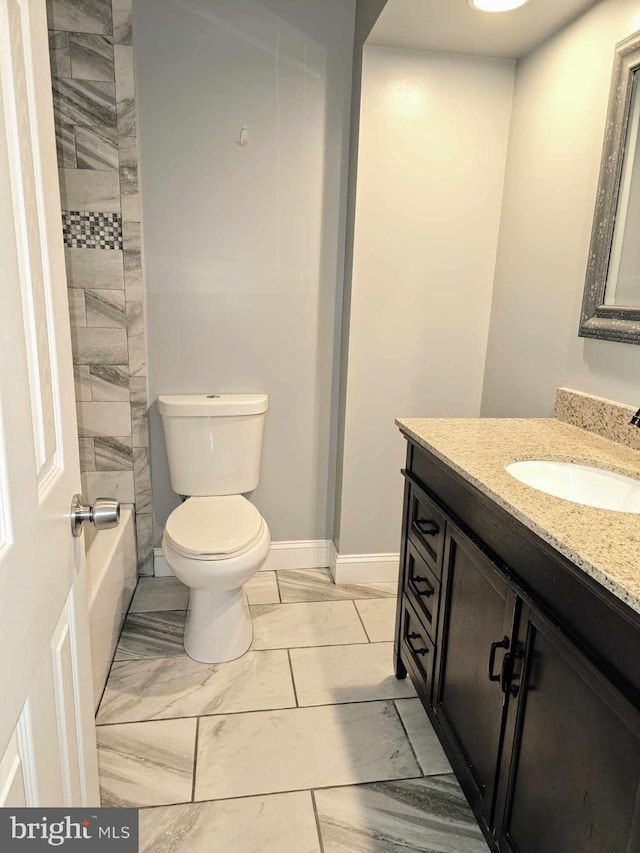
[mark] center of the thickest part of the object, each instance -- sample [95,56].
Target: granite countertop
[604,544]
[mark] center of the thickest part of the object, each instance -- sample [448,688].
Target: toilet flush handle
[103,514]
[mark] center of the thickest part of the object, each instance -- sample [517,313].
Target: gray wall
[367,13]
[432,155]
[555,145]
[244,254]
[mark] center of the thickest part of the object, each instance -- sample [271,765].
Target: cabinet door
[476,628]
[571,763]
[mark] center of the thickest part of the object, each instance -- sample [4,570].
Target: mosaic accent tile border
[84,229]
[597,415]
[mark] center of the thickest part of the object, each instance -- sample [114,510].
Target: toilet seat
[214,528]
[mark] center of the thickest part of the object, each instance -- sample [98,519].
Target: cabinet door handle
[499,644]
[428,592]
[426,527]
[414,636]
[506,673]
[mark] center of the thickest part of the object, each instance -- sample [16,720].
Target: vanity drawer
[422,587]
[417,646]
[426,527]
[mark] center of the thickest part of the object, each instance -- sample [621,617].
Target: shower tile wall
[94,107]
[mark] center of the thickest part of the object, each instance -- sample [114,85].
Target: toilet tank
[213,442]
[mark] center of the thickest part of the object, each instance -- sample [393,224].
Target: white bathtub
[111,581]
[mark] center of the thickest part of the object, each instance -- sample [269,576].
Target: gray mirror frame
[611,322]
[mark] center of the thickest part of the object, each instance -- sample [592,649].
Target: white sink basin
[580,484]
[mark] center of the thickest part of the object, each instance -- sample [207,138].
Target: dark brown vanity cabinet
[536,705]
[473,646]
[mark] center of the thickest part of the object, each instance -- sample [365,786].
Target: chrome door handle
[104,513]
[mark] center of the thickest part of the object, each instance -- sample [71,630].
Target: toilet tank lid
[212,405]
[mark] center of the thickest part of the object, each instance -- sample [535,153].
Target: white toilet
[216,539]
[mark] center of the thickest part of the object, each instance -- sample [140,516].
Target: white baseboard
[363,568]
[313,554]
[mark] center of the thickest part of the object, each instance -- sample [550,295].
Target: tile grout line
[293,678]
[261,794]
[408,737]
[252,650]
[361,621]
[278,588]
[317,818]
[195,760]
[251,711]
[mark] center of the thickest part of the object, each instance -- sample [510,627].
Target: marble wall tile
[379,618]
[87,454]
[133,284]
[152,635]
[125,90]
[279,823]
[89,189]
[409,815]
[146,764]
[139,415]
[300,749]
[59,55]
[161,688]
[131,236]
[122,21]
[82,16]
[160,594]
[135,318]
[95,268]
[82,377]
[96,148]
[129,190]
[88,103]
[322,623]
[109,383]
[108,484]
[105,309]
[424,740]
[142,479]
[334,674]
[99,346]
[66,146]
[91,56]
[137,355]
[77,309]
[113,454]
[144,542]
[104,419]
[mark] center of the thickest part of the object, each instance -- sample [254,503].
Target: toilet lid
[213,526]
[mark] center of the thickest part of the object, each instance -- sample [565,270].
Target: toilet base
[218,626]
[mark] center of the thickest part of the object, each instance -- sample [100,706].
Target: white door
[47,735]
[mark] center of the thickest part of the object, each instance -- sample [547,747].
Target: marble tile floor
[306,744]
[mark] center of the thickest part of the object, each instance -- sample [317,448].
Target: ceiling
[452,26]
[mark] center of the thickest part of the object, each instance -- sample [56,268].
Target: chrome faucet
[635,420]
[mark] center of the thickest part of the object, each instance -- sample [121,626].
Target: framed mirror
[611,303]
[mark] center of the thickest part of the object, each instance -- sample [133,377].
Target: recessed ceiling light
[496,5]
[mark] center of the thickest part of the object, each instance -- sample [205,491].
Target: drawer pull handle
[428,592]
[421,651]
[426,527]
[413,636]
[499,644]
